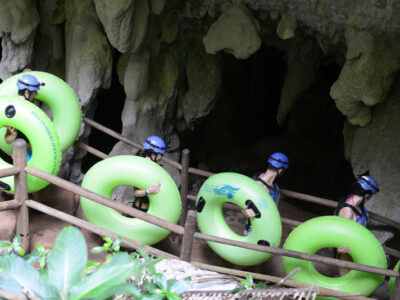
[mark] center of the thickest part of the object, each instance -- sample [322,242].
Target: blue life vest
[362,218]
[274,190]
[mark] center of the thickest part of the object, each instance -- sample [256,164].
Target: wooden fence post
[188,236]
[396,290]
[184,184]
[21,193]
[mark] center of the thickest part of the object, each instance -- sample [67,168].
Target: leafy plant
[108,246]
[12,248]
[65,273]
[249,284]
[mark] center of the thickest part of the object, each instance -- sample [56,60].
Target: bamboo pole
[105,201]
[11,204]
[95,229]
[91,150]
[124,139]
[300,255]
[289,282]
[9,172]
[200,172]
[184,184]
[187,240]
[331,203]
[21,193]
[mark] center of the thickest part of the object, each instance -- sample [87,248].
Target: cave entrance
[241,131]
[109,106]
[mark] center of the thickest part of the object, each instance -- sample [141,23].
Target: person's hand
[153,189]
[11,134]
[248,212]
[344,249]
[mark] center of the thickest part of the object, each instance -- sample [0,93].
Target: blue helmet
[29,82]
[368,184]
[155,143]
[279,160]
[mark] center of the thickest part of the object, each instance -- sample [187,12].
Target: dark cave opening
[241,131]
[110,103]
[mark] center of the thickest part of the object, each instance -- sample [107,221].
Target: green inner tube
[62,101]
[393,279]
[38,128]
[333,231]
[106,175]
[237,189]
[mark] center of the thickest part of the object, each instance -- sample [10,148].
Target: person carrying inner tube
[352,206]
[154,148]
[27,85]
[277,164]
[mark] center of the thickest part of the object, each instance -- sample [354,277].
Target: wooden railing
[21,203]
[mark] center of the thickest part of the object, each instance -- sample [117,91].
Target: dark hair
[357,189]
[145,152]
[272,168]
[21,92]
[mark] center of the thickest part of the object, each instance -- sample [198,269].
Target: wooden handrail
[9,172]
[300,196]
[91,150]
[124,139]
[10,204]
[93,228]
[300,255]
[105,201]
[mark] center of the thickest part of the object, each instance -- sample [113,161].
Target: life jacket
[141,203]
[274,190]
[362,217]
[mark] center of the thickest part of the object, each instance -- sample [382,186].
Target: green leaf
[16,240]
[19,250]
[160,280]
[181,286]
[260,285]
[150,286]
[17,272]
[237,290]
[249,279]
[67,259]
[116,244]
[122,289]
[172,296]
[5,244]
[97,249]
[147,296]
[33,257]
[107,239]
[113,273]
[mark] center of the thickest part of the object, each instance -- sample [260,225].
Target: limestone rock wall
[168,53]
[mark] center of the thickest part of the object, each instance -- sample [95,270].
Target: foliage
[65,273]
[249,284]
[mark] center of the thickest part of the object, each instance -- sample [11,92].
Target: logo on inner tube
[10,111]
[227,190]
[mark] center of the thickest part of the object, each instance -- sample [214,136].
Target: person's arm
[37,102]
[345,249]
[153,189]
[249,212]
[345,212]
[11,134]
